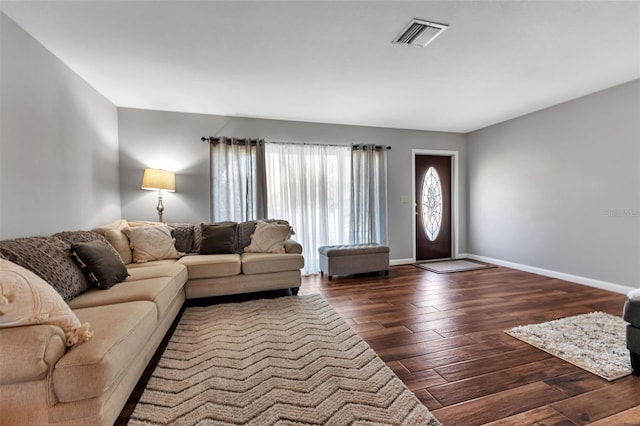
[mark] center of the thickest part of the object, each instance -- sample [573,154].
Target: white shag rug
[594,342]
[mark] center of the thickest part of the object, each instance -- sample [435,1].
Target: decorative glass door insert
[431,204]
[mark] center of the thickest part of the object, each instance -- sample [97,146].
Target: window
[431,204]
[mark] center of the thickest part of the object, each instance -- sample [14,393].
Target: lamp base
[160,207]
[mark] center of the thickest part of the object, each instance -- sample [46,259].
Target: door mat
[456,265]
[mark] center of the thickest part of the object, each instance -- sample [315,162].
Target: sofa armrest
[291,246]
[28,352]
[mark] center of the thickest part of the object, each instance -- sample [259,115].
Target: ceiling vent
[419,33]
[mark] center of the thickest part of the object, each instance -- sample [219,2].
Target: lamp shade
[159,179]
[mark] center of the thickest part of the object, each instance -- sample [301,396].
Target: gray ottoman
[353,259]
[631,314]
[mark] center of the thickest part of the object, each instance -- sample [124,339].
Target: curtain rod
[354,146]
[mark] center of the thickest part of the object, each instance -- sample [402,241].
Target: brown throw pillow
[218,238]
[97,259]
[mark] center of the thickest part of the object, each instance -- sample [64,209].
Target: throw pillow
[152,243]
[183,233]
[269,238]
[49,258]
[218,238]
[26,299]
[98,260]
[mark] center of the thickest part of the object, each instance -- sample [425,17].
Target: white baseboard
[604,285]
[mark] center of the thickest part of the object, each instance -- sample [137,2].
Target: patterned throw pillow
[152,243]
[244,233]
[49,258]
[269,238]
[246,229]
[183,234]
[26,299]
[100,262]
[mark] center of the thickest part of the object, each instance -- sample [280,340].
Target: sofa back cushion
[114,233]
[49,258]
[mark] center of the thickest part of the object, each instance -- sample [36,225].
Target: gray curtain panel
[238,179]
[368,222]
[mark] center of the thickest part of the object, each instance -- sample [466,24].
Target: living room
[554,189]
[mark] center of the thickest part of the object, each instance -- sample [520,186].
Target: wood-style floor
[443,335]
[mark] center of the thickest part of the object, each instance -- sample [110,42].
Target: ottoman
[353,259]
[631,314]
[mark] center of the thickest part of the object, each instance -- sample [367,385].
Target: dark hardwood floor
[443,335]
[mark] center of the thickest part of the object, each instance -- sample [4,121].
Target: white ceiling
[333,61]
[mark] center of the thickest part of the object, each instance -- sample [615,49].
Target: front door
[433,207]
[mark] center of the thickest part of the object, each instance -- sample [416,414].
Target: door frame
[455,196]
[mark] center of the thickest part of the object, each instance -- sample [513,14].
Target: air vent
[419,33]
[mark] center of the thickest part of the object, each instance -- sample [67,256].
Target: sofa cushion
[120,243]
[218,238]
[152,263]
[28,352]
[26,299]
[162,291]
[262,263]
[113,233]
[100,262]
[155,269]
[91,368]
[269,238]
[118,225]
[49,258]
[151,243]
[211,265]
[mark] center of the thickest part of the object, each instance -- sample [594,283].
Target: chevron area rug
[286,361]
[594,342]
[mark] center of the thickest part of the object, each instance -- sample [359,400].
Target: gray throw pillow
[218,238]
[102,265]
[183,234]
[48,257]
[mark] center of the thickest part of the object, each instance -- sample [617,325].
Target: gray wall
[171,141]
[58,143]
[559,189]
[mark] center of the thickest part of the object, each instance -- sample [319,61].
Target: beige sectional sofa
[43,382]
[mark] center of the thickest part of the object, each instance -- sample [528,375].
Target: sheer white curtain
[368,222]
[237,180]
[310,186]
